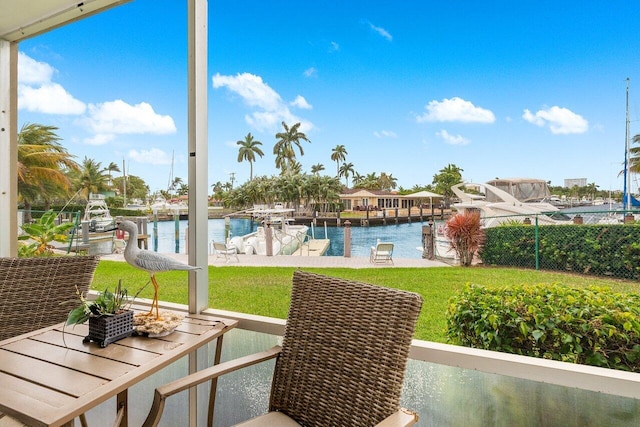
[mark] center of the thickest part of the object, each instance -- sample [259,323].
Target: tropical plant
[107,303]
[42,165]
[90,178]
[42,233]
[445,179]
[248,150]
[346,170]
[387,182]
[339,154]
[136,187]
[317,168]
[465,235]
[634,159]
[113,167]
[284,146]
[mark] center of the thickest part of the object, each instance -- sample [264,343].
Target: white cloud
[310,72]
[385,134]
[118,117]
[271,109]
[32,72]
[381,31]
[153,156]
[455,110]
[49,98]
[452,139]
[561,121]
[300,102]
[99,139]
[334,47]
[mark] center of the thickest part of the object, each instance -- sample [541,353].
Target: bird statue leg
[154,303]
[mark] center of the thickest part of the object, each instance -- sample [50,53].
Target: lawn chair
[33,293]
[382,252]
[342,360]
[227,251]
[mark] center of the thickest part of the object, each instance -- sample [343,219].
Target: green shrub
[592,326]
[602,249]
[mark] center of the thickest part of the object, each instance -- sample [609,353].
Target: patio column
[8,148]
[198,154]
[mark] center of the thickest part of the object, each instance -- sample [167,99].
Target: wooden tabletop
[45,383]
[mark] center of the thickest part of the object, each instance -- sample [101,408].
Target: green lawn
[265,290]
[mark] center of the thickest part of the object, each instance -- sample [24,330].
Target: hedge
[606,249]
[592,326]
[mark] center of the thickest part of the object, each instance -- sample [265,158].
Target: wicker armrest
[402,417]
[199,377]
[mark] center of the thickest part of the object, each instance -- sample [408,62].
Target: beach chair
[222,250]
[342,360]
[382,252]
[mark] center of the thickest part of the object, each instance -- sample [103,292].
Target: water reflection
[406,237]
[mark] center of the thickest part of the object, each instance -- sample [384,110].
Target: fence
[602,243]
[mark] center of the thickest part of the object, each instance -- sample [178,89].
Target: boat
[510,200]
[286,237]
[97,215]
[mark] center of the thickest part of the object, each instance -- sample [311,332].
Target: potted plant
[109,315]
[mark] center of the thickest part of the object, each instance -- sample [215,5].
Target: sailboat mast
[626,201]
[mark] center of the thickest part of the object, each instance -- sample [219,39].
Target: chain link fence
[601,243]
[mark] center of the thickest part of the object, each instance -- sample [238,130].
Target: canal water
[406,237]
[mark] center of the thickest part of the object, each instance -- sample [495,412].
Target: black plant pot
[107,329]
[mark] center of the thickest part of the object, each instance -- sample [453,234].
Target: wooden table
[44,383]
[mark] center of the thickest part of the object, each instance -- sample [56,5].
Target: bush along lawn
[592,326]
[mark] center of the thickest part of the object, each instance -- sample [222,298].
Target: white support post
[8,148]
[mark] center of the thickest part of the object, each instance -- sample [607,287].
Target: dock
[313,247]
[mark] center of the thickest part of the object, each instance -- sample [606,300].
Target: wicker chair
[33,293]
[33,290]
[342,360]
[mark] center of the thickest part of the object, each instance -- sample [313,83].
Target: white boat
[97,215]
[286,237]
[508,200]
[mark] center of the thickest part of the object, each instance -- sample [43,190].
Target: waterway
[406,237]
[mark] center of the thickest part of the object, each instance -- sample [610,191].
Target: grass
[265,290]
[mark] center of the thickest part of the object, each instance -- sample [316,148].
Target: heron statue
[149,261]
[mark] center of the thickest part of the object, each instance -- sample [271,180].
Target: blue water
[406,237]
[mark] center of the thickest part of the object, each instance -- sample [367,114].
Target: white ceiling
[20,19]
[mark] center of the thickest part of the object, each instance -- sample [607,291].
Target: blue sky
[501,88]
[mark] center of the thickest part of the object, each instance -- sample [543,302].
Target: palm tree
[634,159]
[387,182]
[42,163]
[283,148]
[113,167]
[248,150]
[445,179]
[317,168]
[339,154]
[92,178]
[345,170]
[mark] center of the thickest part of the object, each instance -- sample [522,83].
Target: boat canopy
[523,189]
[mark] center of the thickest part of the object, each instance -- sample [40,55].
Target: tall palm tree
[317,168]
[248,150]
[286,141]
[346,170]
[338,154]
[387,181]
[42,165]
[113,167]
[634,159]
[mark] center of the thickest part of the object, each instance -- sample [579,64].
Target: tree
[346,170]
[286,141]
[387,182]
[42,163]
[445,179]
[248,150]
[317,168]
[92,178]
[136,187]
[113,167]
[339,154]
[634,158]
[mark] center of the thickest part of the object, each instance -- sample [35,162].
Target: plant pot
[107,329]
